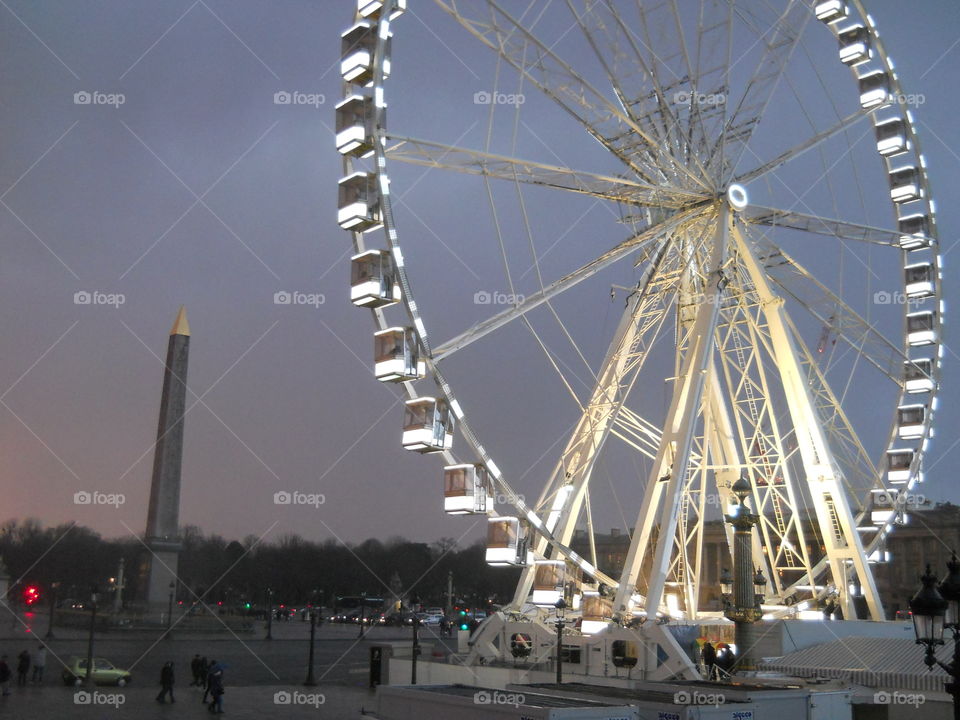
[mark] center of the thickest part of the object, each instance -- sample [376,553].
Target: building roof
[872,662]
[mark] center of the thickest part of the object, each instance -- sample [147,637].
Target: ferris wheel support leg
[668,474]
[823,476]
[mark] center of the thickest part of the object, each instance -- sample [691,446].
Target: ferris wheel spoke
[783,158]
[779,43]
[650,240]
[832,311]
[475,162]
[559,81]
[840,229]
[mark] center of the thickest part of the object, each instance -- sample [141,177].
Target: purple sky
[199,190]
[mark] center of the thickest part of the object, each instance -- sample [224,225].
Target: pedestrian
[4,675]
[216,689]
[166,683]
[203,672]
[708,653]
[39,663]
[206,680]
[195,670]
[23,667]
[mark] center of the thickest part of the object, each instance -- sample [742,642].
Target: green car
[104,672]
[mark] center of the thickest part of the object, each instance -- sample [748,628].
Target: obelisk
[162,537]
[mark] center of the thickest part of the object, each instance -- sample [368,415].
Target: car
[433,618]
[104,672]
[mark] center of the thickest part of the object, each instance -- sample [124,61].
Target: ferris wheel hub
[737,196]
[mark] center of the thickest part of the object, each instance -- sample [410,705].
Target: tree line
[234,573]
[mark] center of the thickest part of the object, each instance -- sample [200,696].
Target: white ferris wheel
[793,336]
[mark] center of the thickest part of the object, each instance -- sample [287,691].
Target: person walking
[195,670]
[206,679]
[23,667]
[39,663]
[4,675]
[166,683]
[708,654]
[204,667]
[216,689]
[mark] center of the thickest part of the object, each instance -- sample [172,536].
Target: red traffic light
[31,594]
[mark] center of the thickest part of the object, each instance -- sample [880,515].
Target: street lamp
[726,587]
[53,609]
[933,610]
[747,588]
[94,596]
[561,606]
[415,651]
[363,607]
[311,681]
[173,587]
[269,615]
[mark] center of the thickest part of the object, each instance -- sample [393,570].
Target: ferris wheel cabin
[906,185]
[831,11]
[917,375]
[373,279]
[358,203]
[920,280]
[549,580]
[597,612]
[899,466]
[914,231]
[854,45]
[357,46]
[396,355]
[892,137]
[354,126]
[874,89]
[922,328]
[506,543]
[371,9]
[467,490]
[427,425]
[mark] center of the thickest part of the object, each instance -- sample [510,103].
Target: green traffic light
[464,626]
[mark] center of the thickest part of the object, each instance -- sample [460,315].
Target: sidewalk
[139,703]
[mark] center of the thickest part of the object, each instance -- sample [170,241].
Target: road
[340,656]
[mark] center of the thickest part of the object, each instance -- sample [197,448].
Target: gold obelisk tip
[180,325]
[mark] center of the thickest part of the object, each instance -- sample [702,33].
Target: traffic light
[31,594]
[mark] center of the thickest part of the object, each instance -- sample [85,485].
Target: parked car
[104,672]
[432,618]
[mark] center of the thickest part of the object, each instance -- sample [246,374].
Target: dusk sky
[185,183]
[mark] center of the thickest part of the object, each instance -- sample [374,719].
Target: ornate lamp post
[747,587]
[269,615]
[310,681]
[933,610]
[54,586]
[561,606]
[94,597]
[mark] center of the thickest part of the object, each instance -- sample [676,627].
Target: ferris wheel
[796,329]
